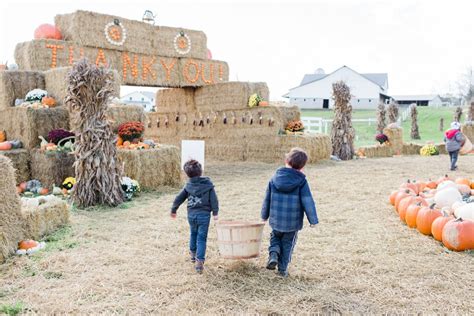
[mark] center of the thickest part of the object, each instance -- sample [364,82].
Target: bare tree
[381,120]
[393,112]
[466,84]
[415,133]
[342,132]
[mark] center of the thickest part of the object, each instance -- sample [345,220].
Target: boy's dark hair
[296,158]
[193,168]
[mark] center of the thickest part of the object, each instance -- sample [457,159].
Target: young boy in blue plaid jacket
[287,199]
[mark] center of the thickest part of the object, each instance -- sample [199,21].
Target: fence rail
[321,125]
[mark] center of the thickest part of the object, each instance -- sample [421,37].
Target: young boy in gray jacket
[454,140]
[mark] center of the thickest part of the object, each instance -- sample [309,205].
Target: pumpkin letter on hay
[97,170]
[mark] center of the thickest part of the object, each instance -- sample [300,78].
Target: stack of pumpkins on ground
[443,209]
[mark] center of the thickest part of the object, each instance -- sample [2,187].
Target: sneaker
[283,274]
[199,266]
[193,256]
[272,261]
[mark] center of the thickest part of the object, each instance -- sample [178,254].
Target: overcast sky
[424,46]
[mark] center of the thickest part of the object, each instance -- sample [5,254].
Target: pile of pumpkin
[130,136]
[8,145]
[443,209]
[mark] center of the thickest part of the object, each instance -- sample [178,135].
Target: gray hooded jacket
[201,196]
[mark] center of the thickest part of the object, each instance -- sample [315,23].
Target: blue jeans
[283,244]
[453,155]
[199,225]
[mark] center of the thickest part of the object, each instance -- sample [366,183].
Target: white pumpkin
[447,197]
[446,184]
[465,211]
[464,189]
[458,204]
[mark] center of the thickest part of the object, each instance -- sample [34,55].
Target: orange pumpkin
[19,190]
[392,196]
[263,103]
[431,184]
[458,234]
[411,186]
[5,146]
[406,202]
[3,136]
[48,31]
[43,191]
[438,225]
[49,101]
[119,141]
[472,185]
[425,218]
[27,244]
[401,195]
[442,179]
[23,186]
[463,181]
[411,214]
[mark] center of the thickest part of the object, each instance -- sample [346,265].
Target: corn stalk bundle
[470,113]
[97,170]
[458,114]
[441,124]
[381,112]
[392,112]
[342,133]
[415,133]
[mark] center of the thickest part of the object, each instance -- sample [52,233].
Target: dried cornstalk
[392,112]
[441,124]
[470,113]
[381,123]
[415,133]
[458,114]
[97,170]
[342,133]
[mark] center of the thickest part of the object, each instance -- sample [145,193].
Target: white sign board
[192,149]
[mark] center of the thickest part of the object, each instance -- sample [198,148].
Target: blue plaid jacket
[287,199]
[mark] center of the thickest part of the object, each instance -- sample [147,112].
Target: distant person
[454,140]
[287,199]
[202,201]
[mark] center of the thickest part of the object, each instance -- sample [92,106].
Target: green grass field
[428,124]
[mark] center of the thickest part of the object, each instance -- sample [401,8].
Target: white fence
[320,125]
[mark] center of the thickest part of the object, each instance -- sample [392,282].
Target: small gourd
[5,146]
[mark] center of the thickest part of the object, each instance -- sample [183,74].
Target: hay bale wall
[152,168]
[11,229]
[395,137]
[175,100]
[21,163]
[442,148]
[15,84]
[133,69]
[411,149]
[228,95]
[87,29]
[27,124]
[376,151]
[51,167]
[119,114]
[468,130]
[45,218]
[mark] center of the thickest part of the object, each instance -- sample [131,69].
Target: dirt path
[360,258]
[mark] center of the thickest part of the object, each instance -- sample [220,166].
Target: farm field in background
[428,122]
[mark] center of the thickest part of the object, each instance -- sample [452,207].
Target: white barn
[420,100]
[143,98]
[315,90]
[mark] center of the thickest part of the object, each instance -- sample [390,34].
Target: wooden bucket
[239,239]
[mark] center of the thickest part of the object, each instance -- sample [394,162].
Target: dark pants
[453,155]
[283,244]
[199,225]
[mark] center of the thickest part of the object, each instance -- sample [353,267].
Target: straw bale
[442,148]
[468,131]
[395,137]
[87,29]
[411,149]
[119,114]
[228,95]
[152,168]
[21,163]
[376,151]
[26,124]
[175,100]
[154,70]
[11,230]
[15,84]
[51,167]
[45,218]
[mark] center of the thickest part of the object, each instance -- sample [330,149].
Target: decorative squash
[447,197]
[43,191]
[19,190]
[3,136]
[458,234]
[411,214]
[48,31]
[401,195]
[425,218]
[119,141]
[406,202]
[464,181]
[49,101]
[27,244]
[438,225]
[23,186]
[465,211]
[5,146]
[126,143]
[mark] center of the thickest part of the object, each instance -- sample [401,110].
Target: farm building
[143,98]
[315,90]
[420,100]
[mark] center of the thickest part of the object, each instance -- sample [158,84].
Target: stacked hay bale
[395,137]
[44,218]
[21,163]
[51,168]
[123,113]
